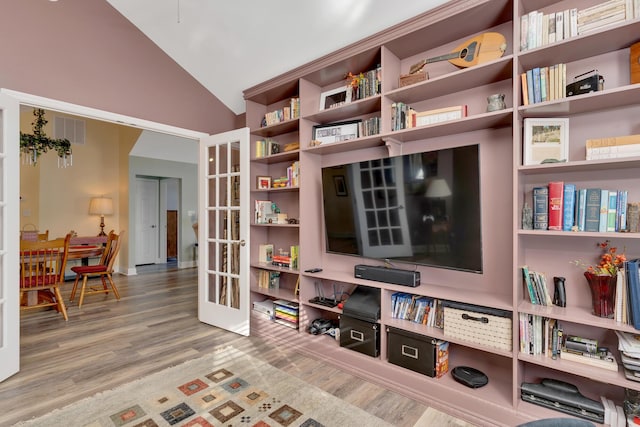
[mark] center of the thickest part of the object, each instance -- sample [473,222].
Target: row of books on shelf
[542,84]
[538,29]
[269,280]
[613,147]
[289,112]
[541,335]
[405,117]
[629,347]
[625,305]
[417,309]
[283,258]
[535,284]
[267,147]
[364,85]
[369,127]
[562,206]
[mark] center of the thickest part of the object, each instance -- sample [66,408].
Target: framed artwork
[335,132]
[264,182]
[545,141]
[341,186]
[335,97]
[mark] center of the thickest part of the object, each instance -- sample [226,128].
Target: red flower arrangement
[610,260]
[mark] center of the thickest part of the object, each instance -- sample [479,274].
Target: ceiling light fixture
[34,145]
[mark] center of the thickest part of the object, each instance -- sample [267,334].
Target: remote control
[313,270]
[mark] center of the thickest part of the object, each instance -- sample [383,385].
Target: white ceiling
[229,46]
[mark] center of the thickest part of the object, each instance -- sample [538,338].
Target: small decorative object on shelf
[496,102]
[602,279]
[527,217]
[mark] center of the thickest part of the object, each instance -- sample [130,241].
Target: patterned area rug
[228,388]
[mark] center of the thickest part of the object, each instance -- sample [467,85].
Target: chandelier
[34,145]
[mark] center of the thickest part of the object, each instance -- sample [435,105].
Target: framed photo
[336,132]
[264,182]
[341,186]
[546,140]
[335,97]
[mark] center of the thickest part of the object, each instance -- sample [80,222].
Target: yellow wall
[58,198]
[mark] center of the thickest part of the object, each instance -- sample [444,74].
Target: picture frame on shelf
[545,140]
[336,132]
[335,97]
[264,182]
[341,186]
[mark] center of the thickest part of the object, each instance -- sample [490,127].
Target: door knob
[242,242]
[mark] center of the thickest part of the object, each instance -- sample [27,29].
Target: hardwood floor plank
[153,326]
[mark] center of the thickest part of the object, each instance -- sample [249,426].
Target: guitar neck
[419,65]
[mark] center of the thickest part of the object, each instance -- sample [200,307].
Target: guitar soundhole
[463,53]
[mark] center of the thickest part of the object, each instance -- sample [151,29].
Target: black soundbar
[394,276]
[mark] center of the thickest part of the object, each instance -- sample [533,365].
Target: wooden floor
[154,326]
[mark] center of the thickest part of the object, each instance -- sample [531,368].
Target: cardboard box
[409,79]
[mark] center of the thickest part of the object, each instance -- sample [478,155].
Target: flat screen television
[422,209]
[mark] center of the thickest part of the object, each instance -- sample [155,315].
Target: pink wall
[84,52]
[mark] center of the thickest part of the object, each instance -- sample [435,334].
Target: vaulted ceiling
[229,46]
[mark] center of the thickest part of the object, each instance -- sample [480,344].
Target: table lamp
[101,206]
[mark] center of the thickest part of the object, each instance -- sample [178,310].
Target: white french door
[9,240]
[223,234]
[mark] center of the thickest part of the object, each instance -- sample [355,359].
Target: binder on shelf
[634,290]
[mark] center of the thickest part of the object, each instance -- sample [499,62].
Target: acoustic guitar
[481,48]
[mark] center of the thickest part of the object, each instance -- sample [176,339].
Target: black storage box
[363,304]
[360,335]
[359,329]
[420,353]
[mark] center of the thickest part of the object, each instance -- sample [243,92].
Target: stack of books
[603,14]
[586,351]
[266,147]
[286,313]
[614,147]
[405,117]
[535,284]
[289,112]
[417,309]
[629,346]
[538,29]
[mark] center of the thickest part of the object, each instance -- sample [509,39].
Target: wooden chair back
[42,267]
[111,250]
[34,235]
[42,263]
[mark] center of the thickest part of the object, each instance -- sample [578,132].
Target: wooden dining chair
[103,269]
[42,266]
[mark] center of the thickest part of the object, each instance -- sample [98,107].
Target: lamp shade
[101,206]
[438,188]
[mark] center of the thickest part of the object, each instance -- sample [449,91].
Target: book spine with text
[540,208]
[569,207]
[556,198]
[592,210]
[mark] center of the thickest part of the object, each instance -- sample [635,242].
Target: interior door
[223,234]
[9,240]
[147,219]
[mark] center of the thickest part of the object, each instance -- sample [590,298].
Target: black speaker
[394,276]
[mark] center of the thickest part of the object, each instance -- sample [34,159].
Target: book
[569,206]
[439,115]
[530,86]
[537,94]
[525,93]
[621,220]
[540,208]
[543,83]
[556,205]
[580,208]
[633,217]
[633,282]
[604,210]
[528,284]
[592,209]
[608,362]
[524,32]
[560,26]
[612,210]
[265,253]
[552,27]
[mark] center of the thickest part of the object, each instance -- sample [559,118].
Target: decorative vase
[603,294]
[496,102]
